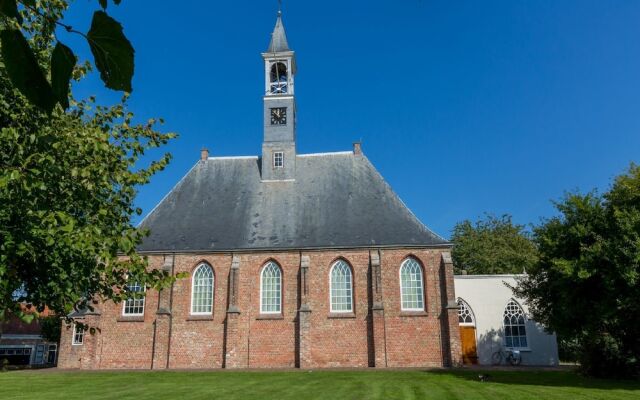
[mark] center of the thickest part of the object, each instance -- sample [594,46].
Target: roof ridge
[333,153]
[233,158]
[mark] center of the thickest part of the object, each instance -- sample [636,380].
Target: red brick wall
[338,340]
[252,340]
[197,341]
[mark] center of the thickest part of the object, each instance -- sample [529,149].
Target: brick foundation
[306,334]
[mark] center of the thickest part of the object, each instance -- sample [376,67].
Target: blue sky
[465,107]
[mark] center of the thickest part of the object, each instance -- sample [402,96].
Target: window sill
[522,350]
[270,316]
[200,318]
[124,318]
[413,313]
[341,315]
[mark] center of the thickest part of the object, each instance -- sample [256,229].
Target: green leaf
[10,9]
[24,71]
[112,52]
[26,317]
[62,62]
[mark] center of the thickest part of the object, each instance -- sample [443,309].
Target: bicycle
[510,356]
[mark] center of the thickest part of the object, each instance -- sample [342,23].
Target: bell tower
[279,144]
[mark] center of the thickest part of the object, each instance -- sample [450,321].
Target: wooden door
[468,339]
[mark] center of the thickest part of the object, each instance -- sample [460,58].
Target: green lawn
[368,384]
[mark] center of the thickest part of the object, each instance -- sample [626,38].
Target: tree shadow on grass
[538,377]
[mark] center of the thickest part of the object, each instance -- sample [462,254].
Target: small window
[78,334]
[135,305]
[278,159]
[515,332]
[411,292]
[341,287]
[271,289]
[202,290]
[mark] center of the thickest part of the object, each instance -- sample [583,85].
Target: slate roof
[337,200]
[278,41]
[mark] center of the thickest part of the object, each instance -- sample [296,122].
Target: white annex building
[491,318]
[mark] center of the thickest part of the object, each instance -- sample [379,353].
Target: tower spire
[278,37]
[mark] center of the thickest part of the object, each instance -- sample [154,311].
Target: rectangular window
[78,335]
[135,305]
[278,159]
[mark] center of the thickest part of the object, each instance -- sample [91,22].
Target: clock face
[279,116]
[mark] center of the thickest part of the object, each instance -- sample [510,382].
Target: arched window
[465,315]
[515,333]
[202,290]
[411,287]
[341,287]
[271,289]
[278,78]
[278,72]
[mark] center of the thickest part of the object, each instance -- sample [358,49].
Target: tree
[587,284]
[492,246]
[67,185]
[23,59]
[50,328]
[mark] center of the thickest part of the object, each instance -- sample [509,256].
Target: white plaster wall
[487,295]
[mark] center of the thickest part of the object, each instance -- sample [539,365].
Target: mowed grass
[350,384]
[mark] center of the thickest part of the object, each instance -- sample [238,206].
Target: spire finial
[278,37]
[279,8]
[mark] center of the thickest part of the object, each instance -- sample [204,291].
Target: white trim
[277,180]
[132,314]
[421,283]
[331,287]
[144,304]
[261,274]
[488,276]
[526,331]
[473,315]
[277,96]
[73,336]
[213,282]
[336,153]
[274,158]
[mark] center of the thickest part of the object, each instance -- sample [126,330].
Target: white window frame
[277,86]
[275,159]
[524,324]
[264,267]
[422,291]
[466,305]
[143,299]
[193,286]
[75,334]
[331,309]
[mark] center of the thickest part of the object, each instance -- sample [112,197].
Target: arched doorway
[467,322]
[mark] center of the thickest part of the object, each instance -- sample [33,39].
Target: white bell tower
[279,145]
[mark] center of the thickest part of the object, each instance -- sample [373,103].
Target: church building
[293,260]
